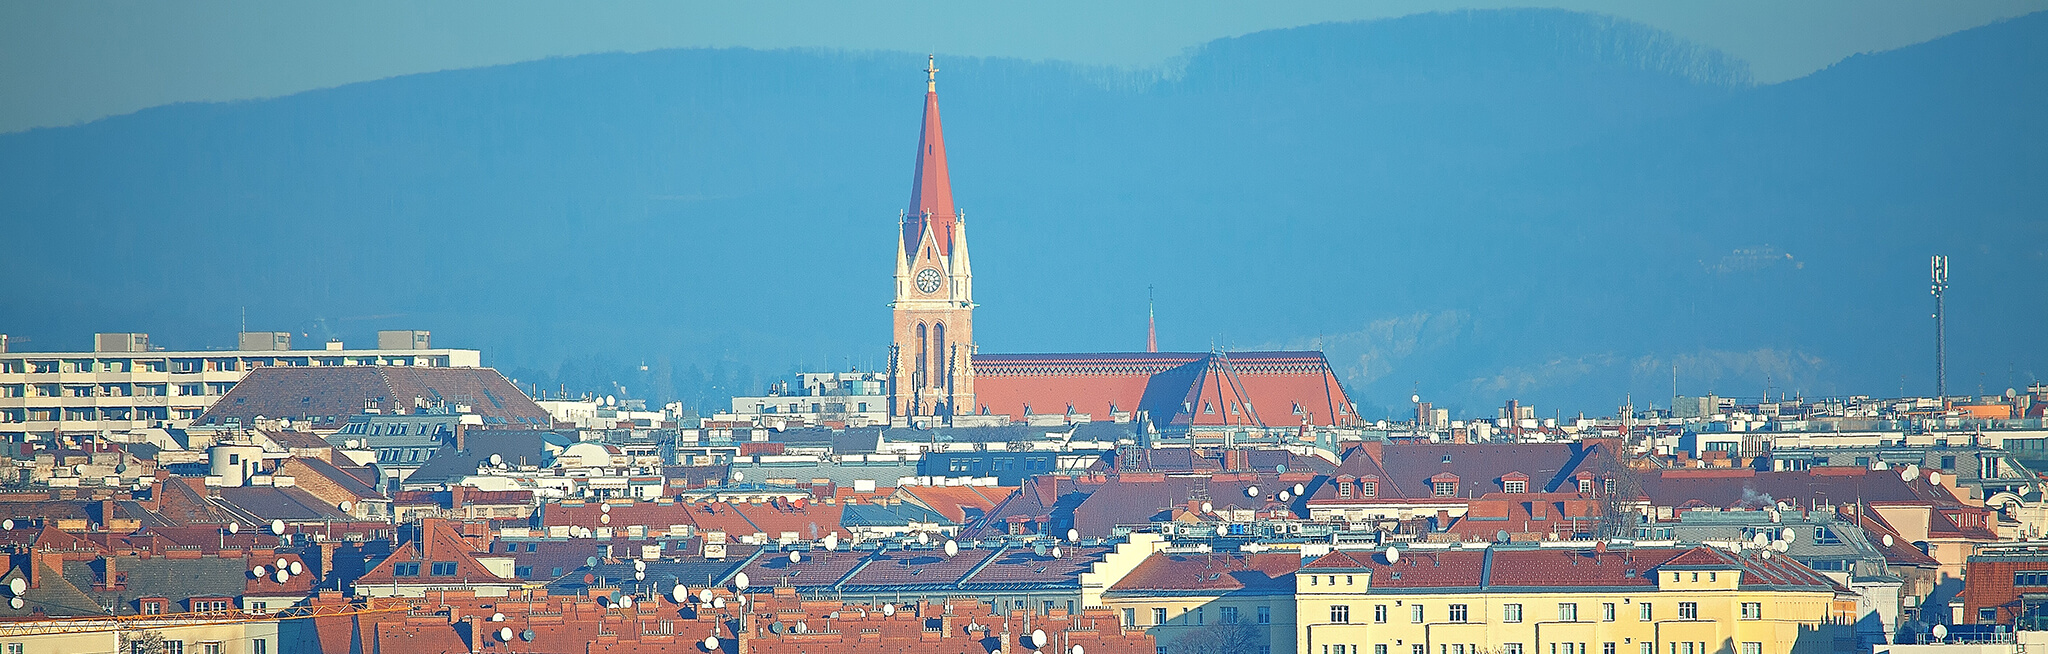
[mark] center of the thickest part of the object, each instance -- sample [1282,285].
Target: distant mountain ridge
[1544,205]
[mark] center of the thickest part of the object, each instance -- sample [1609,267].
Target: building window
[1688,610]
[1511,648]
[1607,647]
[1752,610]
[2030,578]
[1369,488]
[1265,615]
[1607,614]
[1648,648]
[1458,613]
[1417,649]
[1415,613]
[1987,615]
[1752,648]
[170,647]
[1646,614]
[1376,649]
[259,646]
[1567,612]
[1340,613]
[1445,488]
[1159,616]
[15,648]
[1201,614]
[1515,486]
[406,569]
[209,648]
[1343,490]
[444,568]
[1227,614]
[1511,613]
[1130,617]
[1379,613]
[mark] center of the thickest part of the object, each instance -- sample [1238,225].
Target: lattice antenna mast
[1938,272]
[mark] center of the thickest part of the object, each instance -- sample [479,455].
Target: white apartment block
[125,384]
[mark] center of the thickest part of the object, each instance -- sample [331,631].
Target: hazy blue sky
[68,62]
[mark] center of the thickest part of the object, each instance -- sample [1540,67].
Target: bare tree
[1218,638]
[142,642]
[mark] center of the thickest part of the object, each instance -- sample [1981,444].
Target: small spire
[1151,324]
[931,73]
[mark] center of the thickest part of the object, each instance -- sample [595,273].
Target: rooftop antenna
[1937,269]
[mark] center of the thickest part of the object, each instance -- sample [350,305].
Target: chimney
[455,494]
[461,437]
[327,551]
[110,577]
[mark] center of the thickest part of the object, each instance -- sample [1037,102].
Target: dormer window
[1515,486]
[1586,486]
[1344,490]
[1369,488]
[1444,485]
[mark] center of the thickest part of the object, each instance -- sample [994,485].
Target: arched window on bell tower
[922,349]
[939,361]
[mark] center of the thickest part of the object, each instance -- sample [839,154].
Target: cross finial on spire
[931,73]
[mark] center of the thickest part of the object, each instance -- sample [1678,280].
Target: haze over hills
[1550,206]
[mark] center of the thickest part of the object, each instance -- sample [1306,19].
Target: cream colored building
[1557,600]
[1240,601]
[237,634]
[125,384]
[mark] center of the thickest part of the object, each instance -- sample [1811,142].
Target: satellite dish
[1500,536]
[1782,546]
[233,527]
[1038,550]
[283,576]
[1206,508]
[1251,491]
[741,599]
[606,508]
[1298,489]
[639,575]
[717,602]
[681,594]
[260,572]
[831,542]
[775,628]
[1393,554]
[277,527]
[18,585]
[1280,468]
[739,581]
[796,556]
[1077,650]
[298,568]
[497,459]
[1055,551]
[1767,554]
[281,563]
[504,634]
[703,596]
[924,538]
[1887,540]
[739,476]
[609,400]
[526,635]
[497,617]
[952,548]
[1788,535]
[888,610]
[1038,638]
[711,643]
[625,601]
[346,505]
[14,602]
[1934,477]
[1940,631]
[1759,540]
[7,524]
[639,566]
[590,561]
[1074,535]
[1284,496]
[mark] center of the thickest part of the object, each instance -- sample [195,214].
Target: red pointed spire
[931,192]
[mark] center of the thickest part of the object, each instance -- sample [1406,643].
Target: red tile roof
[1210,574]
[336,392]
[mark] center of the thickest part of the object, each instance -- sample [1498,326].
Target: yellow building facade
[1567,601]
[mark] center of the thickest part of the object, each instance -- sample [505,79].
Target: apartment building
[1557,600]
[125,383]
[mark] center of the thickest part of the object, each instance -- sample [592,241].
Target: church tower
[930,358]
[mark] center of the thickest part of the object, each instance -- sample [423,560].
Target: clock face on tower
[928,280]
